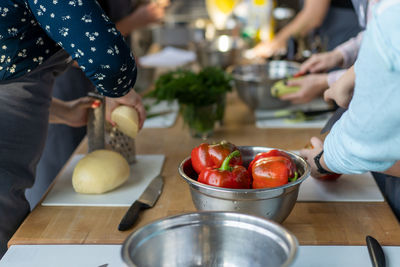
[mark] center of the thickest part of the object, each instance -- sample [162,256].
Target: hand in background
[322,62]
[143,16]
[131,99]
[269,49]
[342,90]
[72,113]
[150,13]
[311,87]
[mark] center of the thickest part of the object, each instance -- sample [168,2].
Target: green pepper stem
[225,165]
[296,175]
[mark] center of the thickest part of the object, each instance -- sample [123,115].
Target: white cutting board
[142,172]
[347,188]
[98,255]
[342,256]
[62,256]
[162,121]
[318,122]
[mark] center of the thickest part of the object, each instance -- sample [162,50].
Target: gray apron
[24,112]
[339,25]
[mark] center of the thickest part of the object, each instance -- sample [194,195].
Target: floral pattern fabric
[33,30]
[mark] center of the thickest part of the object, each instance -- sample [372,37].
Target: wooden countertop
[313,223]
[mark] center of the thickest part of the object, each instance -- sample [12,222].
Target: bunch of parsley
[198,89]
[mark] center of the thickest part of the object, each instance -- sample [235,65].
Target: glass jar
[200,119]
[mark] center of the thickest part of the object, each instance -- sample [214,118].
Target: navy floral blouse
[33,30]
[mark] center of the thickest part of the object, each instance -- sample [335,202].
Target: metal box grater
[101,134]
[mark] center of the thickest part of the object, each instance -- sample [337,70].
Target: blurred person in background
[62,140]
[336,62]
[367,136]
[333,20]
[38,41]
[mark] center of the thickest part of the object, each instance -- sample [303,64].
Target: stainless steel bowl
[223,51]
[271,203]
[253,82]
[210,239]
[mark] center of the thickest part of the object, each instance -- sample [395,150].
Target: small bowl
[210,239]
[253,82]
[271,203]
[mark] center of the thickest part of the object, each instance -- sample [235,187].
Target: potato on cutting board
[127,120]
[100,171]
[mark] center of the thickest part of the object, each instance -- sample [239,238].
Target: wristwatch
[318,164]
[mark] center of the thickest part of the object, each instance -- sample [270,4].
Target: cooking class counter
[313,223]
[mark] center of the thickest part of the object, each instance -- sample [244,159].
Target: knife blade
[335,117]
[146,200]
[375,252]
[288,114]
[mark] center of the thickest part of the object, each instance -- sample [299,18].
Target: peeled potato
[127,120]
[100,171]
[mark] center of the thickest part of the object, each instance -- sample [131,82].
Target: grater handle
[95,125]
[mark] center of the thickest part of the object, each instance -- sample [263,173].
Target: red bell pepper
[227,176]
[273,171]
[271,153]
[206,155]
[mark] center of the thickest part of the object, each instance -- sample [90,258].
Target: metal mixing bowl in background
[223,51]
[253,82]
[210,239]
[271,203]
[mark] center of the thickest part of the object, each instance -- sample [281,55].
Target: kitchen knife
[335,117]
[292,114]
[375,252]
[147,200]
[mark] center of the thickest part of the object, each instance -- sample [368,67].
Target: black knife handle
[375,252]
[131,216]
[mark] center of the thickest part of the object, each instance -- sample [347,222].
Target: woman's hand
[72,113]
[322,62]
[131,99]
[342,90]
[311,87]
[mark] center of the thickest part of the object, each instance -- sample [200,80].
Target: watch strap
[318,164]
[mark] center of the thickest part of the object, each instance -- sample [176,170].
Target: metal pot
[253,82]
[271,203]
[210,239]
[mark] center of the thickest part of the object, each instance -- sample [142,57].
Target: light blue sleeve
[87,34]
[367,137]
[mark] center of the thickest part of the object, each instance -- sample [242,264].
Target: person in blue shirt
[367,136]
[38,41]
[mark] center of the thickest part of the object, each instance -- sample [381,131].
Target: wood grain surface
[322,223]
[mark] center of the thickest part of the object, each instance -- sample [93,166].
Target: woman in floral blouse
[38,40]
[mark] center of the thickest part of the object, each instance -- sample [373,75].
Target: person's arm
[349,51]
[342,56]
[342,90]
[141,17]
[72,113]
[334,76]
[310,17]
[87,34]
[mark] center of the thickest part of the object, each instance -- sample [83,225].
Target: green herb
[198,89]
